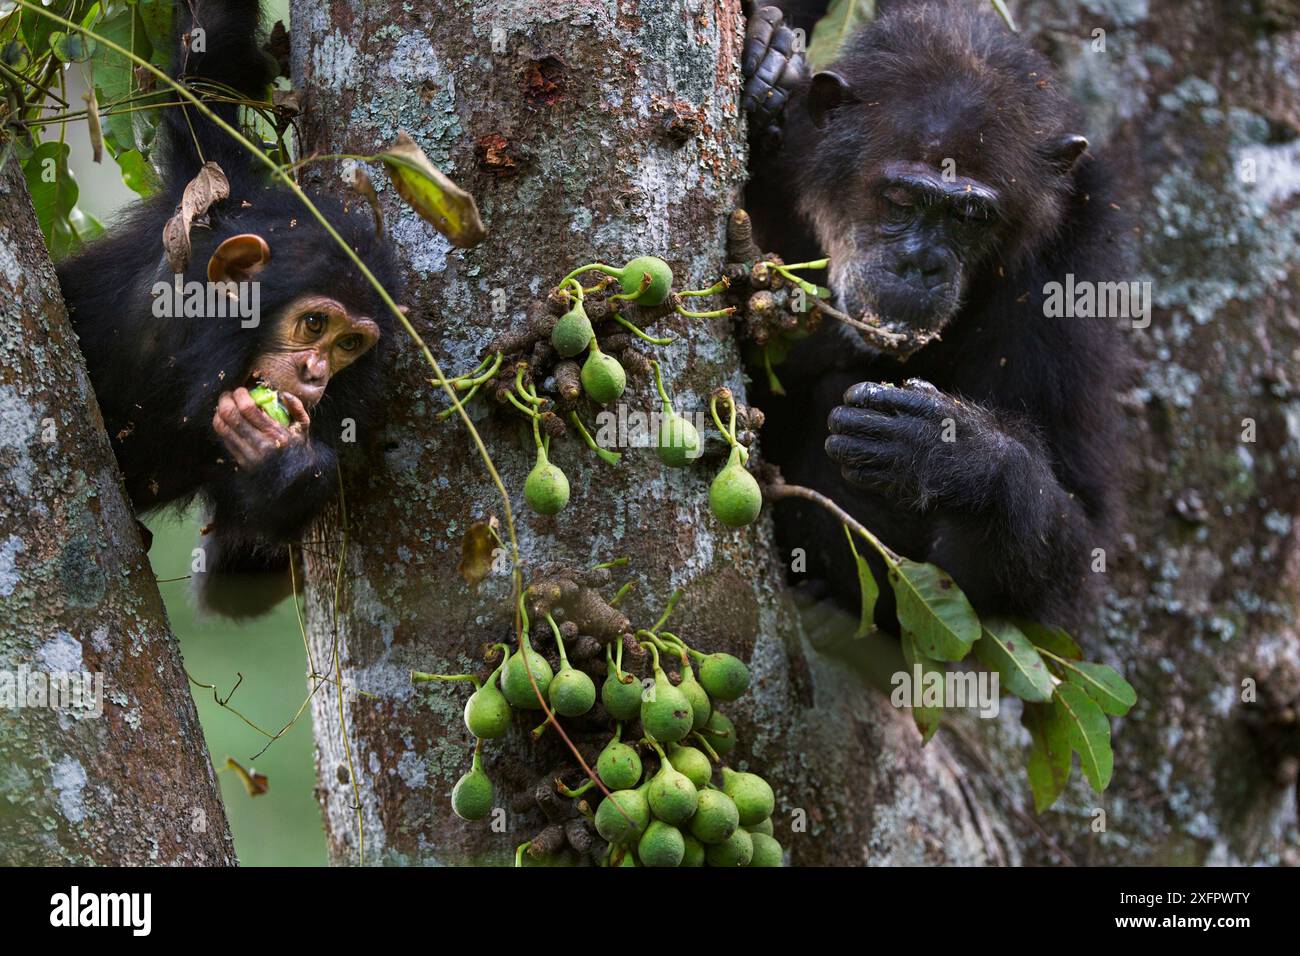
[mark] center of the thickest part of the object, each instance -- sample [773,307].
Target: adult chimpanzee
[173,383]
[938,163]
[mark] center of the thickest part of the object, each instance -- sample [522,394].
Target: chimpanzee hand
[772,68]
[252,436]
[921,448]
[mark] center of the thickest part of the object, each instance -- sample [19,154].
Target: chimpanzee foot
[773,68]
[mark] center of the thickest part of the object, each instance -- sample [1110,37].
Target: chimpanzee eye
[314,322]
[899,197]
[350,343]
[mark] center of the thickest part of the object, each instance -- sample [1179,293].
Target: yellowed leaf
[428,191]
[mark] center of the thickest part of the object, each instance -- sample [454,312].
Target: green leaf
[1003,648]
[1049,753]
[115,79]
[156,17]
[1112,692]
[71,47]
[867,587]
[1050,638]
[829,33]
[1089,733]
[137,172]
[927,718]
[428,191]
[16,56]
[54,192]
[934,609]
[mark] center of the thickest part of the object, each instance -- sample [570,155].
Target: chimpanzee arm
[1002,520]
[276,500]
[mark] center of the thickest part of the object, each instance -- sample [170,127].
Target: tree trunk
[1200,105]
[592,131]
[128,782]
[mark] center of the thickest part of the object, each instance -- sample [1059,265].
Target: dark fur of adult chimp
[174,390]
[851,163]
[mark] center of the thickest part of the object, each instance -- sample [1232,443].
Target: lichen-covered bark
[1200,103]
[132,785]
[594,130]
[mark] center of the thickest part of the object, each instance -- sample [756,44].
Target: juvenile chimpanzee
[938,163]
[174,387]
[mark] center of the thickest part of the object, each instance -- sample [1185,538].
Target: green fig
[678,441]
[628,825]
[723,676]
[661,845]
[487,712]
[623,701]
[618,766]
[716,817]
[546,488]
[763,826]
[694,855]
[693,763]
[719,733]
[672,796]
[632,278]
[572,332]
[750,793]
[667,717]
[736,850]
[471,798]
[603,379]
[268,400]
[767,852]
[572,692]
[734,495]
[515,684]
[697,695]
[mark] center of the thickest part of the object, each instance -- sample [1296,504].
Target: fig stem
[722,285]
[519,853]
[713,754]
[668,609]
[420,677]
[561,788]
[639,334]
[622,562]
[589,267]
[714,314]
[729,433]
[526,409]
[654,651]
[659,384]
[559,641]
[609,457]
[773,383]
[621,592]
[524,391]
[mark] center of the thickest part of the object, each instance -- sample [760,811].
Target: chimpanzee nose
[315,368]
[926,267]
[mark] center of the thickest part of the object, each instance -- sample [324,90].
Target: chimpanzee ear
[828,90]
[239,258]
[1064,151]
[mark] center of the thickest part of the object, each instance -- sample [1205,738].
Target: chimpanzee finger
[861,422]
[758,36]
[235,443]
[899,401]
[297,411]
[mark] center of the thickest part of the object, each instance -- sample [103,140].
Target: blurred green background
[281,827]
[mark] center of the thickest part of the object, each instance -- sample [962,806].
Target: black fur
[158,379]
[1014,507]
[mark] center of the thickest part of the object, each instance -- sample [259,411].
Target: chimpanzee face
[313,339]
[905,246]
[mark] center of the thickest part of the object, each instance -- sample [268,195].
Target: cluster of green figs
[734,497]
[678,815]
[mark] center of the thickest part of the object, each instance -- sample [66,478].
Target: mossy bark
[132,785]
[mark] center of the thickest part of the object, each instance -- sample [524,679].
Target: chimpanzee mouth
[900,331]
